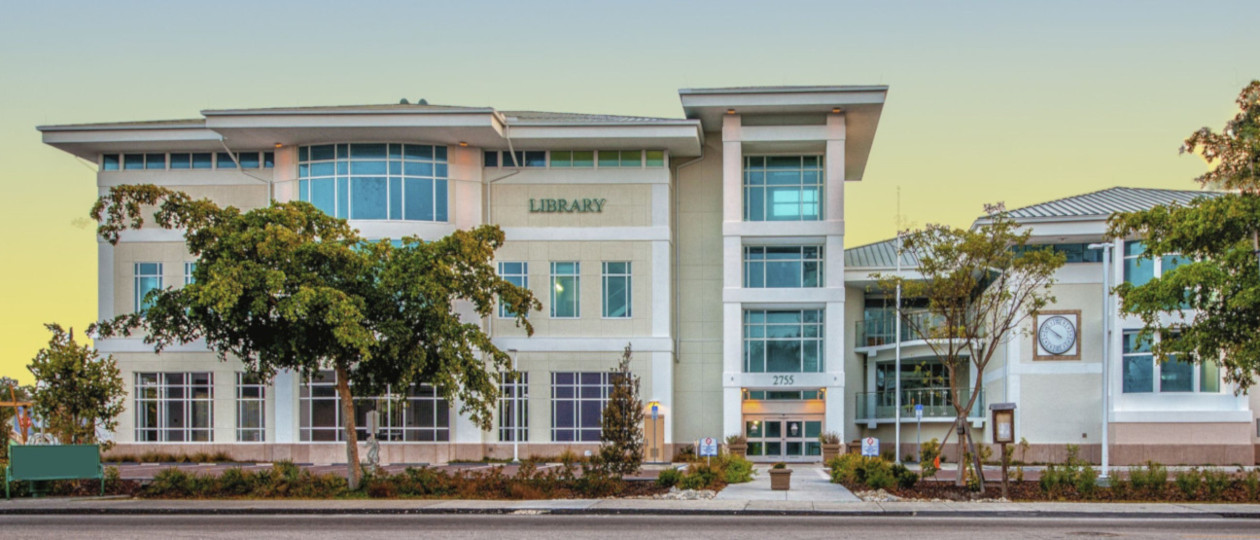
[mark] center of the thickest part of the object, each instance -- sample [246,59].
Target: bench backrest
[55,462]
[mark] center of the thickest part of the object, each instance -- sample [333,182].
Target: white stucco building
[713,244]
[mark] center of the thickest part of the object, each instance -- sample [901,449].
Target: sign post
[707,448]
[918,432]
[1003,433]
[870,447]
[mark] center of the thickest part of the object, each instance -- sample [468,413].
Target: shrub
[906,478]
[1216,481]
[1188,482]
[1149,479]
[669,478]
[928,453]
[736,439]
[684,453]
[169,483]
[880,479]
[844,468]
[1086,482]
[1251,483]
[779,465]
[829,437]
[736,470]
[235,482]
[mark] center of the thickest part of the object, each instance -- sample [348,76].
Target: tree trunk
[353,472]
[961,481]
[975,459]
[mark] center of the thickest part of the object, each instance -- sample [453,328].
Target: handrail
[936,402]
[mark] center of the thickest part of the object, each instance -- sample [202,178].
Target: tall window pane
[1138,364]
[565,293]
[1138,268]
[783,341]
[1209,376]
[516,273]
[782,266]
[513,406]
[577,405]
[782,188]
[617,289]
[376,181]
[251,399]
[148,278]
[174,407]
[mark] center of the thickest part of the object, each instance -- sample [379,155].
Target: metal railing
[936,402]
[880,329]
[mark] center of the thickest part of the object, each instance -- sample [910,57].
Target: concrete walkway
[810,483]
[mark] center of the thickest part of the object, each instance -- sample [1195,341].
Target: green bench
[54,462]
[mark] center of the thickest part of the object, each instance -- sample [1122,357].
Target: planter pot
[855,447]
[740,450]
[830,450]
[780,479]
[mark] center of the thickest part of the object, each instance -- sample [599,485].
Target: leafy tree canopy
[290,287]
[1216,239]
[76,390]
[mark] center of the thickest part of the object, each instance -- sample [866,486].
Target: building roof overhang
[861,105]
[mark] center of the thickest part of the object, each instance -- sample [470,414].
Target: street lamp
[1106,248]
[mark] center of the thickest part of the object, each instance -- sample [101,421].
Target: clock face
[1057,334]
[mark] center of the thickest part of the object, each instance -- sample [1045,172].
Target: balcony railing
[879,330]
[936,402]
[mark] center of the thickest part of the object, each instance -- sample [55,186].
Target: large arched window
[375,180]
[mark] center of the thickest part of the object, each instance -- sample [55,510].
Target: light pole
[1106,248]
[516,410]
[897,362]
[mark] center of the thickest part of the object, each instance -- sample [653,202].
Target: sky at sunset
[1019,102]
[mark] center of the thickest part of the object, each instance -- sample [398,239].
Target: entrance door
[783,439]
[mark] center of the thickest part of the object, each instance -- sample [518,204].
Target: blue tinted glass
[155,161]
[395,198]
[1176,376]
[439,153]
[133,162]
[491,158]
[109,162]
[440,200]
[249,160]
[304,171]
[395,167]
[754,204]
[368,151]
[370,196]
[324,195]
[343,151]
[439,170]
[412,168]
[343,167]
[395,151]
[201,161]
[609,158]
[418,151]
[367,167]
[1133,247]
[269,160]
[343,195]
[304,190]
[1138,270]
[304,153]
[322,169]
[418,193]
[323,152]
[181,161]
[783,162]
[223,160]
[1138,374]
[535,158]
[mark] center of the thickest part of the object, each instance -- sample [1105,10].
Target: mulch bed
[1031,491]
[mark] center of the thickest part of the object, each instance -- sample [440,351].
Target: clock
[1057,335]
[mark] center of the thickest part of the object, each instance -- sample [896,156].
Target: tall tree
[981,285]
[290,287]
[76,389]
[621,433]
[1216,241]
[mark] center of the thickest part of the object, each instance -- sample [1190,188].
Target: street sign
[708,447]
[870,447]
[918,411]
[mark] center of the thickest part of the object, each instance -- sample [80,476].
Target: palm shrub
[1188,481]
[1216,481]
[669,478]
[1150,478]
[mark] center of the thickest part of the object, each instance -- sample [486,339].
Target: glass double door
[783,439]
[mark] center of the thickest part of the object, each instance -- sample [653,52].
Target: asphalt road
[655,527]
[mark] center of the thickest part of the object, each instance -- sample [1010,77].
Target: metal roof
[541,117]
[882,254]
[1101,204]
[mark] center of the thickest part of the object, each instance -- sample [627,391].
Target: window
[577,405]
[655,158]
[783,188]
[513,406]
[782,266]
[783,341]
[419,414]
[620,158]
[174,407]
[565,285]
[181,161]
[155,161]
[133,162]
[573,158]
[223,160]
[1075,253]
[781,395]
[251,407]
[375,181]
[617,290]
[148,278]
[516,273]
[1138,268]
[202,160]
[189,269]
[491,158]
[109,162]
[1175,375]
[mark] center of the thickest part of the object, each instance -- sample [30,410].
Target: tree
[981,285]
[76,390]
[621,434]
[290,287]
[1216,241]
[10,390]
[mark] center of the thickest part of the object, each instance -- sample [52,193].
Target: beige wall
[172,255]
[626,205]
[698,372]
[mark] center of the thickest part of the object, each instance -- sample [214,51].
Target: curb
[1001,514]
